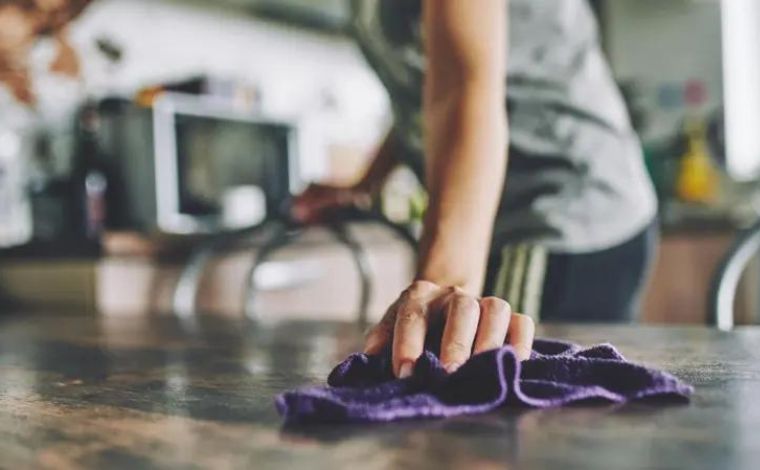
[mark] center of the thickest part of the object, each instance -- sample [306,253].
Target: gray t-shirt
[576,179]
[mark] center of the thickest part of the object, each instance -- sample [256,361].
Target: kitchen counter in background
[690,252]
[316,278]
[135,277]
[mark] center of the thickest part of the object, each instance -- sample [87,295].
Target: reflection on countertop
[157,391]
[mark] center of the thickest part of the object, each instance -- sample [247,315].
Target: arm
[466,137]
[320,201]
[466,147]
[21,23]
[385,161]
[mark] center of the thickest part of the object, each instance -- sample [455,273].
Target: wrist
[471,287]
[356,196]
[450,255]
[365,186]
[451,273]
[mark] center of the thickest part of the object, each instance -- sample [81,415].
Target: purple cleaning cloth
[362,388]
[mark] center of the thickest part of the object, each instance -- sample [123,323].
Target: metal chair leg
[186,290]
[283,237]
[361,260]
[184,300]
[726,279]
[279,238]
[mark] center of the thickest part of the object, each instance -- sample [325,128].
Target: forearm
[465,138]
[384,162]
[467,163]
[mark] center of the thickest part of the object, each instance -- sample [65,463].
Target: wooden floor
[158,393]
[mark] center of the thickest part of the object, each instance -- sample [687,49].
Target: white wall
[661,41]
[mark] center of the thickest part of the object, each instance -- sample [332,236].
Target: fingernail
[522,353]
[405,370]
[452,366]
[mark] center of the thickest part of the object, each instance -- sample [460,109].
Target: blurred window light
[741,84]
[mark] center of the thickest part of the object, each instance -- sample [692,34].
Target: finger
[381,334]
[408,336]
[462,316]
[411,318]
[520,335]
[377,338]
[493,326]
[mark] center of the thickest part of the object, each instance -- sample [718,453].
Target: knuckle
[457,348]
[421,288]
[454,291]
[405,296]
[494,304]
[463,304]
[410,314]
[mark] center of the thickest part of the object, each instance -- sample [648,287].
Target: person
[22,22]
[571,233]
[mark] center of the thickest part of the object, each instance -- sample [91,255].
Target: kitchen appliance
[15,212]
[172,166]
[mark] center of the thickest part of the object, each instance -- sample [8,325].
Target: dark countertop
[157,393]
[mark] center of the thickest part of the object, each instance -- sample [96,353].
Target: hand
[471,326]
[323,202]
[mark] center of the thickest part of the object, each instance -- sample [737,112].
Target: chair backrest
[726,278]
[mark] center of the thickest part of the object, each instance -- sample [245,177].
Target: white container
[243,206]
[15,209]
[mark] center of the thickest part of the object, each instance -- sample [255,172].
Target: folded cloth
[362,388]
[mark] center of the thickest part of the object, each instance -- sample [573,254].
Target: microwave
[174,167]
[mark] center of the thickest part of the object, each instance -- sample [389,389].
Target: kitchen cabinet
[311,278]
[682,274]
[319,280]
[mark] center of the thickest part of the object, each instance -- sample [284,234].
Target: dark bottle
[89,178]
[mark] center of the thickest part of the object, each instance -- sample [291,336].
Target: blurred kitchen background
[134,132]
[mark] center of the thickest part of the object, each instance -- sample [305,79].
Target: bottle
[697,180]
[15,212]
[89,179]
